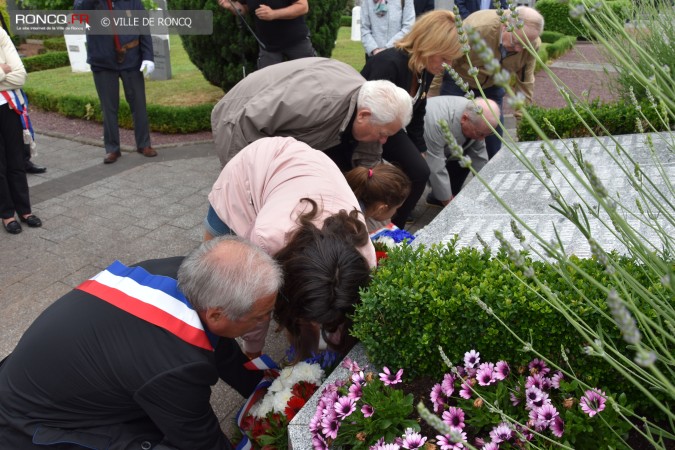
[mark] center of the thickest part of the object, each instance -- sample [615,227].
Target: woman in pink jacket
[294,202]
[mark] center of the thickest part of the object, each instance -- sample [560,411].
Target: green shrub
[420,299]
[557,17]
[616,118]
[221,55]
[164,119]
[55,44]
[346,21]
[555,49]
[550,37]
[49,60]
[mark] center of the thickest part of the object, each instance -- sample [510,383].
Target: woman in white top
[384,22]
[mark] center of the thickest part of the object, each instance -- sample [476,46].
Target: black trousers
[402,152]
[108,89]
[14,198]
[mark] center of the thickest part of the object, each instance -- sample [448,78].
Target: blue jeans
[214,226]
[496,93]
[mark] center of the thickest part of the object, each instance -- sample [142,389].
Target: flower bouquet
[388,238]
[266,423]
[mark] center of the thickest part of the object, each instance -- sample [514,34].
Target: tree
[231,47]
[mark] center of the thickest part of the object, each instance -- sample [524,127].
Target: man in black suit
[127,359]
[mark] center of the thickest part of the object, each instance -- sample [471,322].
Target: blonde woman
[411,64]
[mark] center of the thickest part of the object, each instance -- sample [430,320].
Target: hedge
[420,299]
[164,119]
[55,44]
[617,118]
[45,61]
[557,17]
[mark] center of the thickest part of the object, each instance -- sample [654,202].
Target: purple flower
[537,366]
[344,407]
[535,397]
[358,378]
[388,378]
[412,439]
[558,427]
[447,442]
[546,414]
[471,359]
[350,364]
[355,391]
[367,410]
[448,384]
[501,433]
[386,447]
[319,443]
[436,397]
[454,417]
[491,446]
[485,374]
[556,379]
[330,426]
[502,370]
[315,423]
[592,402]
[465,390]
[514,399]
[535,380]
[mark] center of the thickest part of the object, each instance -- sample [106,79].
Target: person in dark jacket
[422,6]
[411,65]
[467,7]
[127,359]
[280,27]
[112,57]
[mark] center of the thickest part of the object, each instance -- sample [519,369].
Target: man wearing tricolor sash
[127,359]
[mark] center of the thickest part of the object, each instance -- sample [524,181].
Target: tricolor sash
[21,110]
[153,298]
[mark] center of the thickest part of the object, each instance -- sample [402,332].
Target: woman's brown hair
[384,183]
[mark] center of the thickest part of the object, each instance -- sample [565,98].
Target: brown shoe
[111,157]
[147,151]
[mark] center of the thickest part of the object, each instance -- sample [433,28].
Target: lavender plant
[640,216]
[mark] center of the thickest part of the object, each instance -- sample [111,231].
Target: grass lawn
[187,86]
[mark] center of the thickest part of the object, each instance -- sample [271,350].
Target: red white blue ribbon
[153,298]
[263,362]
[21,110]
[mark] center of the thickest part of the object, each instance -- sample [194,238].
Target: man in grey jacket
[469,128]
[322,102]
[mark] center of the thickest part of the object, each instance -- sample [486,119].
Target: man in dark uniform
[280,27]
[127,359]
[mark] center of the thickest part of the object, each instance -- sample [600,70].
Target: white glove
[148,66]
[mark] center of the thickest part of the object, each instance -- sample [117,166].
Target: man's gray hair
[228,273]
[386,102]
[483,107]
[533,21]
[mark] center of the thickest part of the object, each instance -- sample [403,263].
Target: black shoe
[32,221]
[13,227]
[35,169]
[410,219]
[433,201]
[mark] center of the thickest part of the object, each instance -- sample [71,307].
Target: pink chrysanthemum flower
[592,402]
[536,380]
[436,397]
[465,390]
[558,427]
[319,443]
[538,366]
[491,446]
[556,379]
[388,378]
[485,374]
[546,414]
[330,426]
[447,442]
[351,365]
[471,359]
[344,407]
[454,417]
[502,370]
[515,401]
[355,391]
[412,439]
[501,433]
[448,384]
[367,410]
[358,377]
[535,398]
[388,447]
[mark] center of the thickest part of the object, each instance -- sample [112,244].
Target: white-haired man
[469,127]
[507,47]
[322,102]
[127,359]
